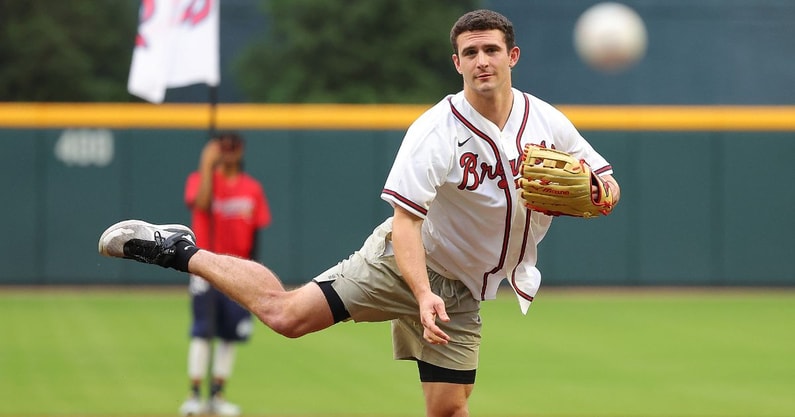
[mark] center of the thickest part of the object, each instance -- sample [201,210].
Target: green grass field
[598,353]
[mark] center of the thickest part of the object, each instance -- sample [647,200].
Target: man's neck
[229,171]
[495,107]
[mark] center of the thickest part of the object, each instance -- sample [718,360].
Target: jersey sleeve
[571,141]
[192,188]
[422,164]
[200,219]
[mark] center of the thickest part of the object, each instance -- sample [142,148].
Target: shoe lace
[159,239]
[160,246]
[158,253]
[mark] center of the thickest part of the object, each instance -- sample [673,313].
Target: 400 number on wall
[85,147]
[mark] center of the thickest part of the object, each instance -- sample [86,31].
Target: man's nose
[482,59]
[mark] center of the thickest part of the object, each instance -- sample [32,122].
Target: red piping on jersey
[508,190]
[526,115]
[603,170]
[521,293]
[406,201]
[519,149]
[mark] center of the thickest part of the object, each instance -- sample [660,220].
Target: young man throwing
[459,227]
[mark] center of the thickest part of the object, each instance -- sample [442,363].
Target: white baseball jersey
[458,171]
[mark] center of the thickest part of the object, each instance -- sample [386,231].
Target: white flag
[176,46]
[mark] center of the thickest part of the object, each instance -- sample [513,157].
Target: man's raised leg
[290,313]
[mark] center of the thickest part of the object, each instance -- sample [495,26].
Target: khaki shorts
[371,288]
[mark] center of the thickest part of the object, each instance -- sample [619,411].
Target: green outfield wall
[697,207]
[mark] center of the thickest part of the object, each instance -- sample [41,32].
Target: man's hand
[431,308]
[210,156]
[410,257]
[209,159]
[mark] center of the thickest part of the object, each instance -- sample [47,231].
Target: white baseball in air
[610,37]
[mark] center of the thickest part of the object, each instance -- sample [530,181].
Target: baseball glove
[555,183]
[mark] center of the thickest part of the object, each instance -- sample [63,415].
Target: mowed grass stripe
[682,353]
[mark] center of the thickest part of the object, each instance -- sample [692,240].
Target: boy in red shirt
[229,208]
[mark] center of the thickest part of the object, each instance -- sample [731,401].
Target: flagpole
[213,100]
[211,132]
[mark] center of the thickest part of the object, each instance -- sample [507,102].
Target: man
[228,208]
[459,227]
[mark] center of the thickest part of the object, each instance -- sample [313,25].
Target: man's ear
[513,55]
[457,63]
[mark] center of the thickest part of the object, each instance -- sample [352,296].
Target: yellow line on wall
[683,118]
[375,117]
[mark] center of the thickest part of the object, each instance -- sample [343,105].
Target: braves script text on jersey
[458,171]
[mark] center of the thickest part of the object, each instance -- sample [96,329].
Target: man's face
[231,150]
[484,61]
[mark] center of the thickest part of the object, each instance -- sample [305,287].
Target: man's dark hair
[229,135]
[482,20]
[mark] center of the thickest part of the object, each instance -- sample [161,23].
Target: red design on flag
[169,53]
[197,11]
[147,10]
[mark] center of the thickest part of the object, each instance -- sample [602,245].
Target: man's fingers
[439,311]
[432,332]
[435,336]
[434,308]
[442,314]
[440,334]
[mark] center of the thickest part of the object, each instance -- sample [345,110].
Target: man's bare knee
[288,324]
[447,400]
[447,409]
[296,313]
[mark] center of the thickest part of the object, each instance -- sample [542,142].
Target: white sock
[198,358]
[224,359]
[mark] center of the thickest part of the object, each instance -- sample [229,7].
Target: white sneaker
[224,408]
[192,407]
[144,242]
